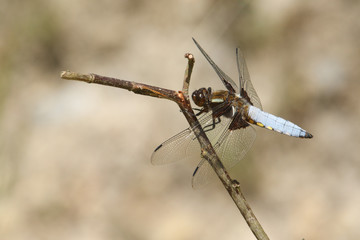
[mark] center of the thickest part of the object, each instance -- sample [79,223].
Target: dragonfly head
[201,96]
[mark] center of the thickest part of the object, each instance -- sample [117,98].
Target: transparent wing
[244,79]
[227,81]
[179,147]
[183,145]
[203,175]
[231,146]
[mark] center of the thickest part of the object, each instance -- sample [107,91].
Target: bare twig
[137,88]
[188,71]
[207,151]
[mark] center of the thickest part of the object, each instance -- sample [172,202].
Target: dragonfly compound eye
[199,97]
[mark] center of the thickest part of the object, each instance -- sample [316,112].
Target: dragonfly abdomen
[278,124]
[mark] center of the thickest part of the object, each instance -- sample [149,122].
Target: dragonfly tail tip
[308,135]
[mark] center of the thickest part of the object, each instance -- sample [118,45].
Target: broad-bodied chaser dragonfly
[226,116]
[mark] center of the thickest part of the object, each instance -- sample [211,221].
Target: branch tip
[89,78]
[189,56]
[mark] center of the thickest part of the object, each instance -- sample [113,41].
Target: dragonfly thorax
[207,98]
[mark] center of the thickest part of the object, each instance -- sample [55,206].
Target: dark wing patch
[238,122]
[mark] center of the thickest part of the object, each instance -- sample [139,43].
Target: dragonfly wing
[179,147]
[203,175]
[231,146]
[244,79]
[183,145]
[227,81]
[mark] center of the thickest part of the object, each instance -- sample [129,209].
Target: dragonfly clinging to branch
[227,117]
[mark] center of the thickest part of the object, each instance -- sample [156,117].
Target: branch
[188,71]
[137,88]
[207,151]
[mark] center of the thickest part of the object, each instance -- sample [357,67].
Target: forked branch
[183,101]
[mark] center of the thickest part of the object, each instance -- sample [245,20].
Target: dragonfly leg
[200,111]
[212,125]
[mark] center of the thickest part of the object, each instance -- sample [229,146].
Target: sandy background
[75,158]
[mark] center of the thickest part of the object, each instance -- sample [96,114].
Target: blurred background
[75,158]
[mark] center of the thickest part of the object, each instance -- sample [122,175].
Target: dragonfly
[227,117]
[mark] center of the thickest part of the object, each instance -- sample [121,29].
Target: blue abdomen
[278,124]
